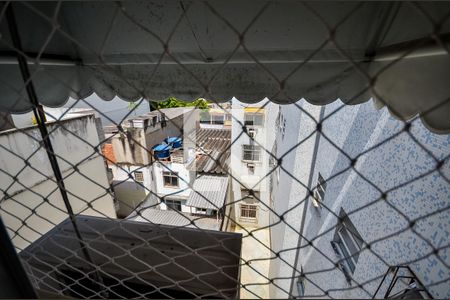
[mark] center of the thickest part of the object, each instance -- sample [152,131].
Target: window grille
[248,211]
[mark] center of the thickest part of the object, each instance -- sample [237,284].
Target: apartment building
[31,202]
[350,210]
[132,165]
[253,133]
[191,181]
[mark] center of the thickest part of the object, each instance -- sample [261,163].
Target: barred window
[139,176]
[248,211]
[251,153]
[254,119]
[170,179]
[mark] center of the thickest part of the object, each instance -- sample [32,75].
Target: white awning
[393,52]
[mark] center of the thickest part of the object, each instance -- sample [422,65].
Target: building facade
[358,201]
[253,135]
[132,169]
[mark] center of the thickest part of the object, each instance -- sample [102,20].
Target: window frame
[249,210]
[135,176]
[254,152]
[172,176]
[345,236]
[172,204]
[251,117]
[319,191]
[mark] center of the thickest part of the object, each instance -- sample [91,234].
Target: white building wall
[128,192]
[355,129]
[180,193]
[33,198]
[258,181]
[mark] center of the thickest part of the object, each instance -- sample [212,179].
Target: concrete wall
[355,129]
[34,199]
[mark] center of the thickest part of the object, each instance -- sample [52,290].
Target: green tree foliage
[174,102]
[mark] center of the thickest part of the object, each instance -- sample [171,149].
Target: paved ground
[258,271]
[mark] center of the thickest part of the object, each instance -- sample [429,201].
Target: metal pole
[39,114]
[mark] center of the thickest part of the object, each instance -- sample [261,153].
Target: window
[170,179]
[319,192]
[248,211]
[138,176]
[251,152]
[301,286]
[173,204]
[253,119]
[200,210]
[251,169]
[348,241]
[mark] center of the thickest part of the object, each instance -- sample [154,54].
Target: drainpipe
[305,207]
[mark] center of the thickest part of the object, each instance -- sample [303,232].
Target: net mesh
[31,154]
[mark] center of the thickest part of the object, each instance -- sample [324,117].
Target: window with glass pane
[253,119]
[251,152]
[170,179]
[248,211]
[348,240]
[173,204]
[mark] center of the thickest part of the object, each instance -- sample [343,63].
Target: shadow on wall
[129,195]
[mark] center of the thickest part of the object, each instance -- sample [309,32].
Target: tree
[174,102]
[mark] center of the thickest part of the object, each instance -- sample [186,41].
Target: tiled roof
[209,191]
[213,151]
[108,153]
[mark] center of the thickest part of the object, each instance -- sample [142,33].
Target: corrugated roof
[175,218]
[209,192]
[214,148]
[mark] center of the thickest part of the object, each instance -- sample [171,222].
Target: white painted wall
[34,199]
[128,192]
[353,130]
[265,137]
[182,191]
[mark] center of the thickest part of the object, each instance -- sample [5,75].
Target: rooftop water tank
[176,142]
[162,151]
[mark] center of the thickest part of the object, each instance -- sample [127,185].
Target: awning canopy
[394,52]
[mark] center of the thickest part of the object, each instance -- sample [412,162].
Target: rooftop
[175,218]
[213,151]
[131,266]
[208,192]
